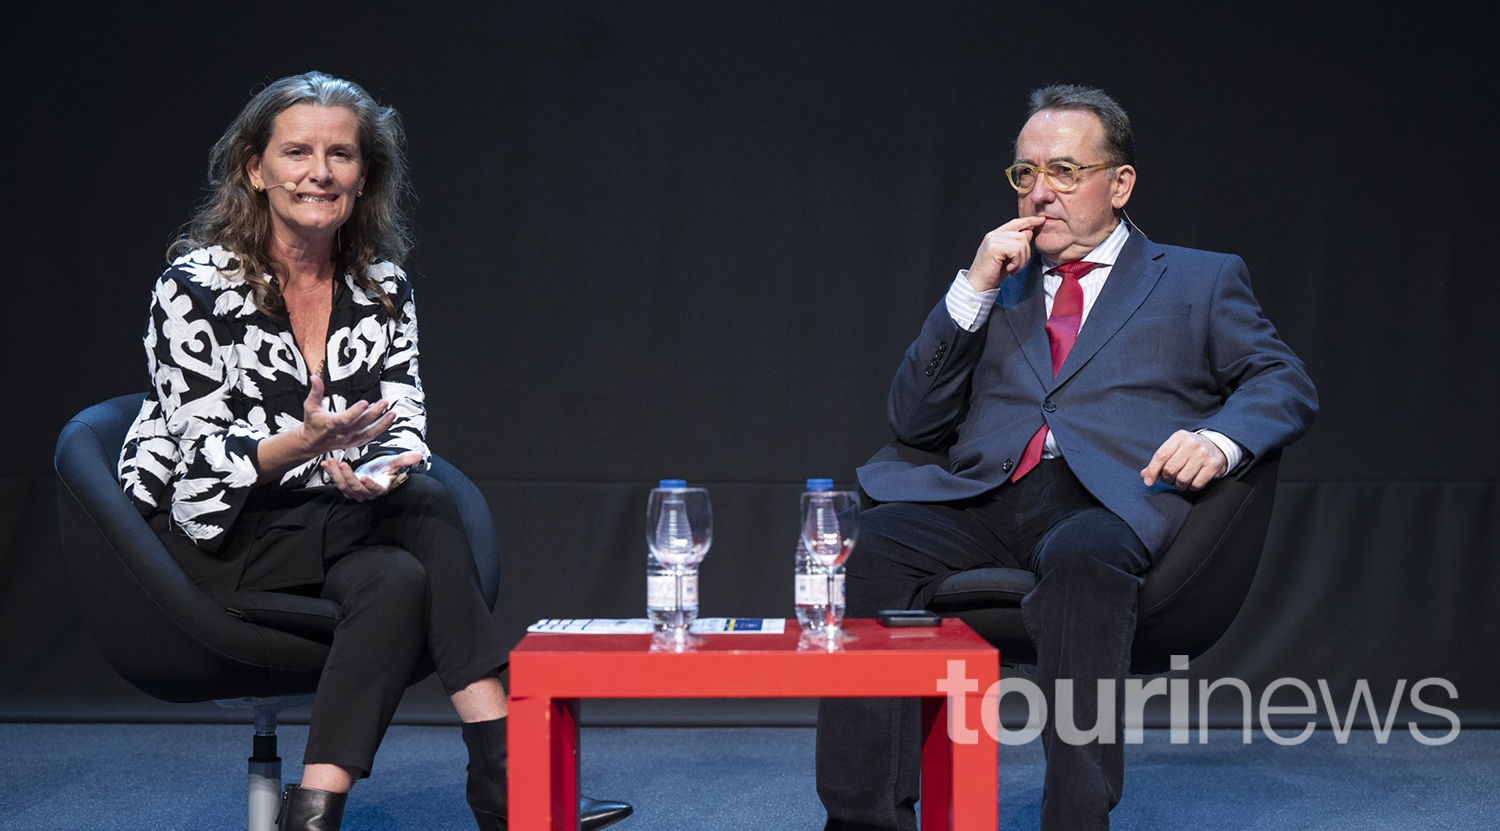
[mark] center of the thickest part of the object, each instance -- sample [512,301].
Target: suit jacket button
[1049,407]
[929,370]
[1008,465]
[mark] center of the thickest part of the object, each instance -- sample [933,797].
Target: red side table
[549,673]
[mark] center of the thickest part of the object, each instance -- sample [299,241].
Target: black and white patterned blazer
[225,375]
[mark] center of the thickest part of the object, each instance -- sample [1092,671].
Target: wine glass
[830,525]
[679,530]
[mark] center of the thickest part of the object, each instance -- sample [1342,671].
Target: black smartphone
[910,617]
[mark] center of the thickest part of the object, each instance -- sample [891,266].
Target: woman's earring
[359,194]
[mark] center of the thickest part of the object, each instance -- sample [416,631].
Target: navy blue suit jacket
[1175,341]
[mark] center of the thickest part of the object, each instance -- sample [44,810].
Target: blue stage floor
[180,777]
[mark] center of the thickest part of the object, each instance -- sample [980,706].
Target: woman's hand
[325,432]
[363,488]
[322,432]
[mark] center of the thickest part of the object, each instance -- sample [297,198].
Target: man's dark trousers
[1080,616]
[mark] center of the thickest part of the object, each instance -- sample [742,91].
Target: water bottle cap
[672,483]
[820,484]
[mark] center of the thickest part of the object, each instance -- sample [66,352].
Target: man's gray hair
[1119,140]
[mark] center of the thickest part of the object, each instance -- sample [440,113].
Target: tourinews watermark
[959,688]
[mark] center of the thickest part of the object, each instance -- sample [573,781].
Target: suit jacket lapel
[1135,273]
[1024,303]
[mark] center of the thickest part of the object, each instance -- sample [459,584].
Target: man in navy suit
[1083,379]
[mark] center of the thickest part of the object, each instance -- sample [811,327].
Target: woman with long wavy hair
[282,446]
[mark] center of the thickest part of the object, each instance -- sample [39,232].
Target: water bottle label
[661,591]
[812,589]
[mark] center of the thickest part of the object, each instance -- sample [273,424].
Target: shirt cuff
[1232,450]
[969,308]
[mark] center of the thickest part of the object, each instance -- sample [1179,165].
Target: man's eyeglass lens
[1062,176]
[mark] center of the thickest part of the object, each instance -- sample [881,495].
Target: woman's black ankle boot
[487,777]
[486,788]
[309,809]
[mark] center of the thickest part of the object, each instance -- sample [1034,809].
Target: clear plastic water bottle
[661,580]
[811,580]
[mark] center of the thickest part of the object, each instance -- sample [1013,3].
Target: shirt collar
[1105,253]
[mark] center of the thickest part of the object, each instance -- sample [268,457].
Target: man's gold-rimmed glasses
[1061,176]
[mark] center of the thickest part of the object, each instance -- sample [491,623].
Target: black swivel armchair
[1190,595]
[260,650]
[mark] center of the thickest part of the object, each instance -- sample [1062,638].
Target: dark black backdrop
[694,239]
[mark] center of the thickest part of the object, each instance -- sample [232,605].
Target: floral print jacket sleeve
[225,375]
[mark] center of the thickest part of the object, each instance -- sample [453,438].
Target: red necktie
[1062,331]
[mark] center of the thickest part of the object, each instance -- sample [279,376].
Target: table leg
[937,766]
[960,779]
[543,764]
[976,801]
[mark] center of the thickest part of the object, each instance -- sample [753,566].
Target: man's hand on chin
[1003,252]
[1187,460]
